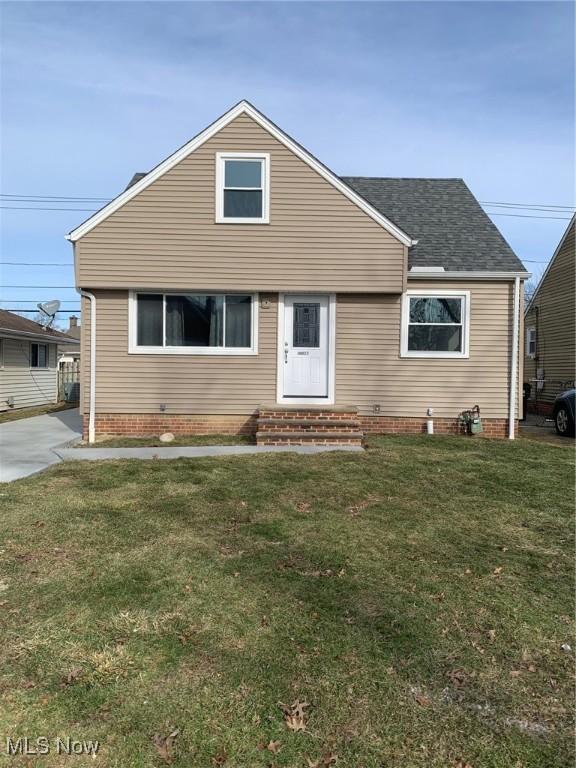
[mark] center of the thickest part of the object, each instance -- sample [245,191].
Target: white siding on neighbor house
[28,386]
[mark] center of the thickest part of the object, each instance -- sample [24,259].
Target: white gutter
[92,402]
[436,274]
[514,359]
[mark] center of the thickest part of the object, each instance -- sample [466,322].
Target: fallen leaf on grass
[303,506]
[424,701]
[492,635]
[71,676]
[220,757]
[325,761]
[294,716]
[274,747]
[462,764]
[514,673]
[497,571]
[165,745]
[531,668]
[458,677]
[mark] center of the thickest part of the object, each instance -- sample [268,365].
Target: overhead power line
[57,197]
[33,208]
[33,301]
[47,287]
[528,216]
[34,311]
[35,264]
[527,205]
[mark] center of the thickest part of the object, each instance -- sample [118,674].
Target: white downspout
[92,402]
[514,359]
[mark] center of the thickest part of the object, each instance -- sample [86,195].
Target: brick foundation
[154,424]
[338,426]
[410,425]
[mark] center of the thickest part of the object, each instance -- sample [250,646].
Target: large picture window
[435,324]
[193,323]
[242,188]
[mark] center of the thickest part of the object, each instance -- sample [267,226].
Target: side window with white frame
[242,188]
[193,323]
[39,356]
[435,324]
[531,342]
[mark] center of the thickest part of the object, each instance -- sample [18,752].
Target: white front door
[305,357]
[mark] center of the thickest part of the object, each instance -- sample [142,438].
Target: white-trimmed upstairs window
[531,342]
[193,323]
[435,324]
[242,188]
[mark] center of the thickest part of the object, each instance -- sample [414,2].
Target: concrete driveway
[26,446]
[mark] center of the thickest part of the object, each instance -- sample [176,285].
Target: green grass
[416,595]
[185,440]
[26,413]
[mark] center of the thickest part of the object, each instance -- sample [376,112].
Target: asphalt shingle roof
[17,324]
[444,216]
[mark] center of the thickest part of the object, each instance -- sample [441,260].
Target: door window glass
[306,330]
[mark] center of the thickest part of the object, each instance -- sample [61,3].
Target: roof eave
[29,335]
[468,275]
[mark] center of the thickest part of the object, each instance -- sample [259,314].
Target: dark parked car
[564,412]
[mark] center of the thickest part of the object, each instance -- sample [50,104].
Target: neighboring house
[68,353]
[550,323]
[241,285]
[28,362]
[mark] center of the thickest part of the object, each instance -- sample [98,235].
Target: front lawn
[415,597]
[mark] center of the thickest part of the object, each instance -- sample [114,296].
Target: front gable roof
[243,108]
[569,228]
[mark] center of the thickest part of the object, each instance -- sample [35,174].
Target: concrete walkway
[190,452]
[27,445]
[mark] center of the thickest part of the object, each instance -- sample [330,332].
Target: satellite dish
[49,308]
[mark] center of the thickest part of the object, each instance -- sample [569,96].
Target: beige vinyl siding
[166,237]
[369,369]
[198,384]
[553,314]
[28,387]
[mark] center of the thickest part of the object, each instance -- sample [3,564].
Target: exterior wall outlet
[376,407]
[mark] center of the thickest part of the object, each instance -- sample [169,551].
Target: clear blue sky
[93,91]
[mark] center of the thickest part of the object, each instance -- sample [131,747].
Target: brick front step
[270,424]
[312,426]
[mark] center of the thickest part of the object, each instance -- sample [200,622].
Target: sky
[93,91]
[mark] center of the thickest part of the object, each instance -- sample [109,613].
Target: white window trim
[264,158]
[40,367]
[449,294]
[134,349]
[330,400]
[529,331]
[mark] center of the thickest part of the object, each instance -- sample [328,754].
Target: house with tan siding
[241,286]
[28,362]
[550,323]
